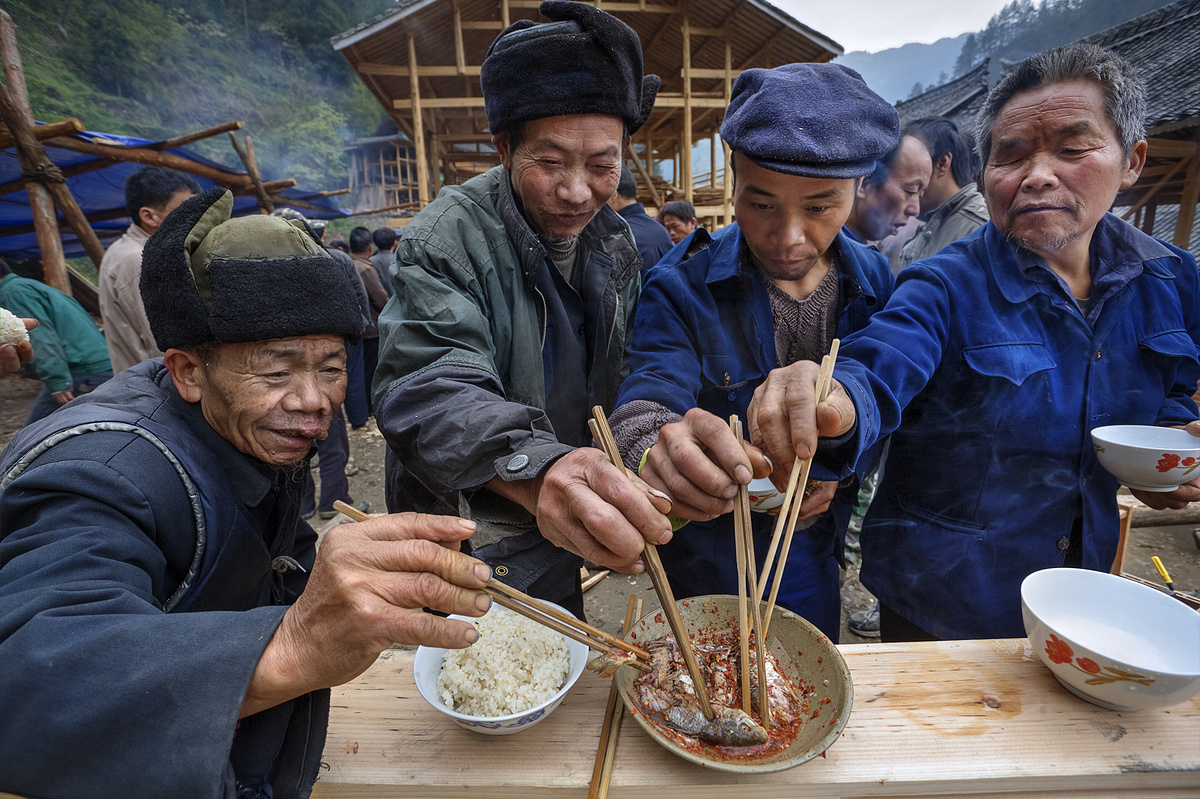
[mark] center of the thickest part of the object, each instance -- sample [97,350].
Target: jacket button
[518,463]
[501,571]
[1064,543]
[732,396]
[1099,354]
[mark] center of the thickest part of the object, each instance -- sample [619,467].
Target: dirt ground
[1170,536]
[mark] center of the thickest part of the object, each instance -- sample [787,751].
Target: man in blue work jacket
[996,358]
[720,312]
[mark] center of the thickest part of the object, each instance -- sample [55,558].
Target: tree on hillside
[1021,29]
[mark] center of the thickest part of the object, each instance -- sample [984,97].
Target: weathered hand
[366,591]
[699,463]
[586,505]
[64,396]
[13,355]
[785,419]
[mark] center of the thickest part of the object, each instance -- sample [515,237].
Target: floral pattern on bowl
[1060,651]
[1170,461]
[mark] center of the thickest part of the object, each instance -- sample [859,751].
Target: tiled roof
[958,100]
[1165,46]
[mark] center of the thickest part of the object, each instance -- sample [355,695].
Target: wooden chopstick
[598,424]
[743,571]
[609,732]
[537,610]
[554,618]
[824,378]
[745,536]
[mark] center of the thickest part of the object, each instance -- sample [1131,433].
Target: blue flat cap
[813,120]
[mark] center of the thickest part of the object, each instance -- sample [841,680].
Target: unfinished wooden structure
[422,61]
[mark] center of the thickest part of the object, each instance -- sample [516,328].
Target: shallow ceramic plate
[806,656]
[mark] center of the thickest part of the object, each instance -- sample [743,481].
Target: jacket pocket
[1172,344]
[1013,361]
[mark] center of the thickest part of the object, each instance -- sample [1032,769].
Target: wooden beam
[460,55]
[607,6]
[1171,148]
[414,88]
[63,127]
[265,205]
[727,193]
[482,25]
[1187,205]
[686,178]
[14,108]
[1153,190]
[389,70]
[442,102]
[141,155]
[670,101]
[188,138]
[641,168]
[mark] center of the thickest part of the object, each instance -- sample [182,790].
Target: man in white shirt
[150,194]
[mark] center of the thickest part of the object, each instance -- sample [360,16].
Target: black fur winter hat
[584,61]
[211,279]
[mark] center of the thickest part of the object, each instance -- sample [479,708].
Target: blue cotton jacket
[704,337]
[989,379]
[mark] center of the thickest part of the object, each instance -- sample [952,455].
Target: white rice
[516,664]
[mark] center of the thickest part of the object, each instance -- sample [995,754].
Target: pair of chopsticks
[747,585]
[598,424]
[539,611]
[607,750]
[790,509]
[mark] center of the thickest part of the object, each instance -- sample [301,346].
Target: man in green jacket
[513,296]
[70,354]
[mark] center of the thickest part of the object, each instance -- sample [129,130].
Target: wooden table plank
[948,718]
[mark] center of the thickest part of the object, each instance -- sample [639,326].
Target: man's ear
[942,167]
[860,191]
[148,218]
[187,372]
[1137,160]
[500,141]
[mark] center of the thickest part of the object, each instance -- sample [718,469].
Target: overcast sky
[874,25]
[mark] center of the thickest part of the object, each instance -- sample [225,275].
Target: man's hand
[366,591]
[586,505]
[700,464]
[1179,498]
[64,396]
[13,355]
[785,419]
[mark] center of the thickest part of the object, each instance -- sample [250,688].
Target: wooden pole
[265,206]
[728,188]
[14,107]
[64,127]
[685,179]
[414,90]
[141,155]
[188,138]
[1188,197]
[637,162]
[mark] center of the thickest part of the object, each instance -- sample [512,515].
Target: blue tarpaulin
[101,192]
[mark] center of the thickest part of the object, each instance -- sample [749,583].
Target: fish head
[734,727]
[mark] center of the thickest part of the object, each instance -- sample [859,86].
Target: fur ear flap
[175,302]
[650,86]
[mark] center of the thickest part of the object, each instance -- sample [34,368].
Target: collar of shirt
[253,480]
[1118,252]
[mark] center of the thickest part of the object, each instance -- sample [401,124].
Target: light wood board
[953,718]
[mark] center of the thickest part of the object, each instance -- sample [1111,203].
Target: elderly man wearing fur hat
[514,295]
[166,626]
[721,314]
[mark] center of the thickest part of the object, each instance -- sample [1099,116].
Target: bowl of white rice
[511,678]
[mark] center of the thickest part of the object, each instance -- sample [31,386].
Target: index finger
[408,526]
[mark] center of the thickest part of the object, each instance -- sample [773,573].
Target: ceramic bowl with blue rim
[428,664]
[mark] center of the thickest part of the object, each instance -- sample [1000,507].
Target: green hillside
[159,68]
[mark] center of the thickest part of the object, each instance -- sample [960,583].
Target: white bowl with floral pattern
[1116,643]
[1146,457]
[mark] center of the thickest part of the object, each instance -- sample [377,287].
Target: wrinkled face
[788,221]
[273,399]
[564,169]
[678,229]
[1055,166]
[887,207]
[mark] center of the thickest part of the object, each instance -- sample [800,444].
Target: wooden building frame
[421,60]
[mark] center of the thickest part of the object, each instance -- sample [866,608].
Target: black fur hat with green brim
[208,278]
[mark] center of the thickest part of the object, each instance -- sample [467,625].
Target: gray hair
[1124,92]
